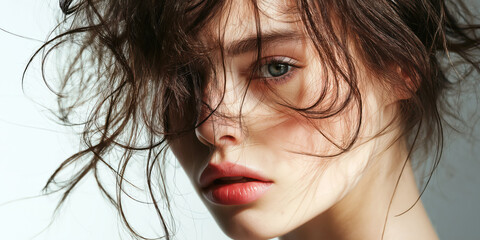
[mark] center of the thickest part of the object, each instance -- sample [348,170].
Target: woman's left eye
[276,69]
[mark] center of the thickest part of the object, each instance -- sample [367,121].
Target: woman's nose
[221,126]
[220,131]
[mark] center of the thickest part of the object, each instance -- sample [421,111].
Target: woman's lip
[236,193]
[227,169]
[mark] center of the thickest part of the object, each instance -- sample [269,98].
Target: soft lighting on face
[298,156]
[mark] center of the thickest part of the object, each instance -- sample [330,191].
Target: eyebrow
[250,43]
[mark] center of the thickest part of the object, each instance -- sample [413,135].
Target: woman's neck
[370,212]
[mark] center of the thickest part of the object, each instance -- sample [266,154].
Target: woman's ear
[407,83]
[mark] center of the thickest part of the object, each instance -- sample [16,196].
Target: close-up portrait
[240,119]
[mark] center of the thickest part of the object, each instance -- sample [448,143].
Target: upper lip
[227,169]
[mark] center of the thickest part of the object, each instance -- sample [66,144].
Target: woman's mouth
[231,184]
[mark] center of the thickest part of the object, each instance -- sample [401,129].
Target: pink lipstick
[231,184]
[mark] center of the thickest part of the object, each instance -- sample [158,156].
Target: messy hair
[136,65]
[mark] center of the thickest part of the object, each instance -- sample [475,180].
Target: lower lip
[237,193]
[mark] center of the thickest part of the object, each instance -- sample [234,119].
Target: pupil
[277,69]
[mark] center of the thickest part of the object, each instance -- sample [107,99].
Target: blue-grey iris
[277,69]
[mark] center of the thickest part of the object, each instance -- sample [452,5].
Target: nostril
[227,140]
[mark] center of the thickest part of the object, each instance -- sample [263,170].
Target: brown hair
[135,65]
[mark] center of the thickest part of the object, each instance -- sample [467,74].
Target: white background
[32,146]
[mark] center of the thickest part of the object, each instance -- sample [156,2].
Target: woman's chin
[242,231]
[248,225]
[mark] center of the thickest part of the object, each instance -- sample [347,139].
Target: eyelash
[289,62]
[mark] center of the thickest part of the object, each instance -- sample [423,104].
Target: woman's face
[290,179]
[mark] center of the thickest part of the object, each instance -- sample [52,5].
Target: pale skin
[312,197]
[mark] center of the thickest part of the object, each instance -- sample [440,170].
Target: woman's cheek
[190,153]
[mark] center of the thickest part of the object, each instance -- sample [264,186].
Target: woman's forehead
[241,20]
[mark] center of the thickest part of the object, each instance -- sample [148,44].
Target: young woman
[293,119]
